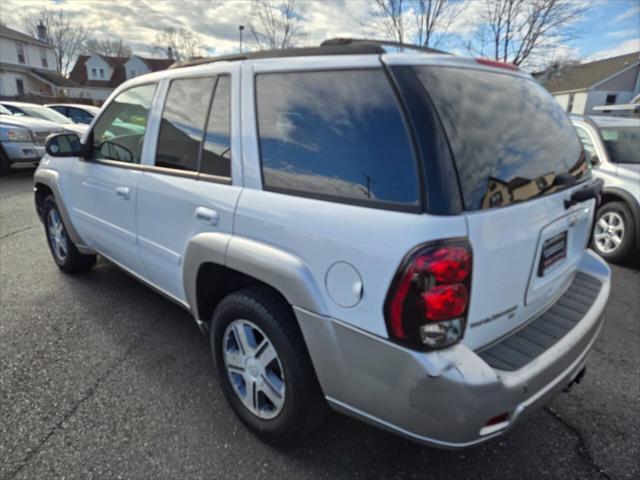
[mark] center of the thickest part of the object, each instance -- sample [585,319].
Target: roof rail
[332,46]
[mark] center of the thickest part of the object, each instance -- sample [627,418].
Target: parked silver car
[41,112]
[614,146]
[22,139]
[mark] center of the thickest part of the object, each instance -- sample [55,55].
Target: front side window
[216,151]
[335,135]
[622,143]
[182,124]
[20,52]
[119,132]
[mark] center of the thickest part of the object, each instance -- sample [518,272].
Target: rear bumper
[23,151]
[444,398]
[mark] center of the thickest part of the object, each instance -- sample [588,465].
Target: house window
[570,103]
[20,51]
[102,73]
[94,73]
[43,58]
[20,86]
[132,73]
[611,99]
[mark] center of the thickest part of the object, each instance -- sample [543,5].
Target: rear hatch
[518,159]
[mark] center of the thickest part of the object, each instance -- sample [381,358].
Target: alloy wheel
[609,232]
[254,369]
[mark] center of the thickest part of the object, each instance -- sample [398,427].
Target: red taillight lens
[445,302]
[432,285]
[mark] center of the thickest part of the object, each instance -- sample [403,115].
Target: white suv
[367,231]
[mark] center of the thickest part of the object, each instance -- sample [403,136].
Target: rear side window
[622,143]
[335,135]
[182,124]
[216,151]
[510,139]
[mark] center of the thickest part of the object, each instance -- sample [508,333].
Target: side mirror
[64,145]
[594,160]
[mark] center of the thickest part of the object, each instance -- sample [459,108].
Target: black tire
[73,261]
[627,246]
[304,406]
[5,163]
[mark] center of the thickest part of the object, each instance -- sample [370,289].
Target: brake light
[427,303]
[497,64]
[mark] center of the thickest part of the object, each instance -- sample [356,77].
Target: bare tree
[518,30]
[276,23]
[391,19]
[433,19]
[386,16]
[110,48]
[178,43]
[65,34]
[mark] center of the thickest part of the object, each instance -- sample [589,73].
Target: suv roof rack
[332,46]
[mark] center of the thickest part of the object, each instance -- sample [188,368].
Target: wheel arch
[217,264]
[615,194]
[47,182]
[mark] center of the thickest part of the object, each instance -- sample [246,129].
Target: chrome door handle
[207,215]
[123,192]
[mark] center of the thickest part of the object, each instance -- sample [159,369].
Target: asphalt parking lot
[103,378]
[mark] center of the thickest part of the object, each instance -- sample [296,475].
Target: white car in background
[77,112]
[44,113]
[614,145]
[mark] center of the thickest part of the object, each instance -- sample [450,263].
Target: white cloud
[635,10]
[625,33]
[628,46]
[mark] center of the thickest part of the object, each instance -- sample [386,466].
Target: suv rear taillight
[427,303]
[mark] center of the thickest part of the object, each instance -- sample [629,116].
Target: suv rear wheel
[614,232]
[63,250]
[263,365]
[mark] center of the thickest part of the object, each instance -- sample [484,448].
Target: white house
[98,75]
[580,88]
[28,65]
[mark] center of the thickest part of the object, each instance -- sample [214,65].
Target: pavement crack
[90,392]
[581,446]
[20,230]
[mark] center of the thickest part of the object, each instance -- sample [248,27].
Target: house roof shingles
[586,75]
[21,37]
[79,72]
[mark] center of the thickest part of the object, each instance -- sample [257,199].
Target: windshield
[4,111]
[44,113]
[622,143]
[510,139]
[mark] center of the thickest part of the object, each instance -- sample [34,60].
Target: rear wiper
[593,190]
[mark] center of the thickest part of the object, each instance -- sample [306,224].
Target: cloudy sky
[611,27]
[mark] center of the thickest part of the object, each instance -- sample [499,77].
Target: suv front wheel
[263,365]
[614,232]
[63,250]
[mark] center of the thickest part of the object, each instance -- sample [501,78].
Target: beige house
[580,88]
[28,65]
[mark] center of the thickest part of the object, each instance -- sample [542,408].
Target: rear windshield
[509,137]
[622,143]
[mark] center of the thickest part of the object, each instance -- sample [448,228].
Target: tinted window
[335,134]
[119,132]
[79,116]
[622,143]
[216,153]
[182,123]
[509,137]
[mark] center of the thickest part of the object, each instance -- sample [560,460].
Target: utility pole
[241,28]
